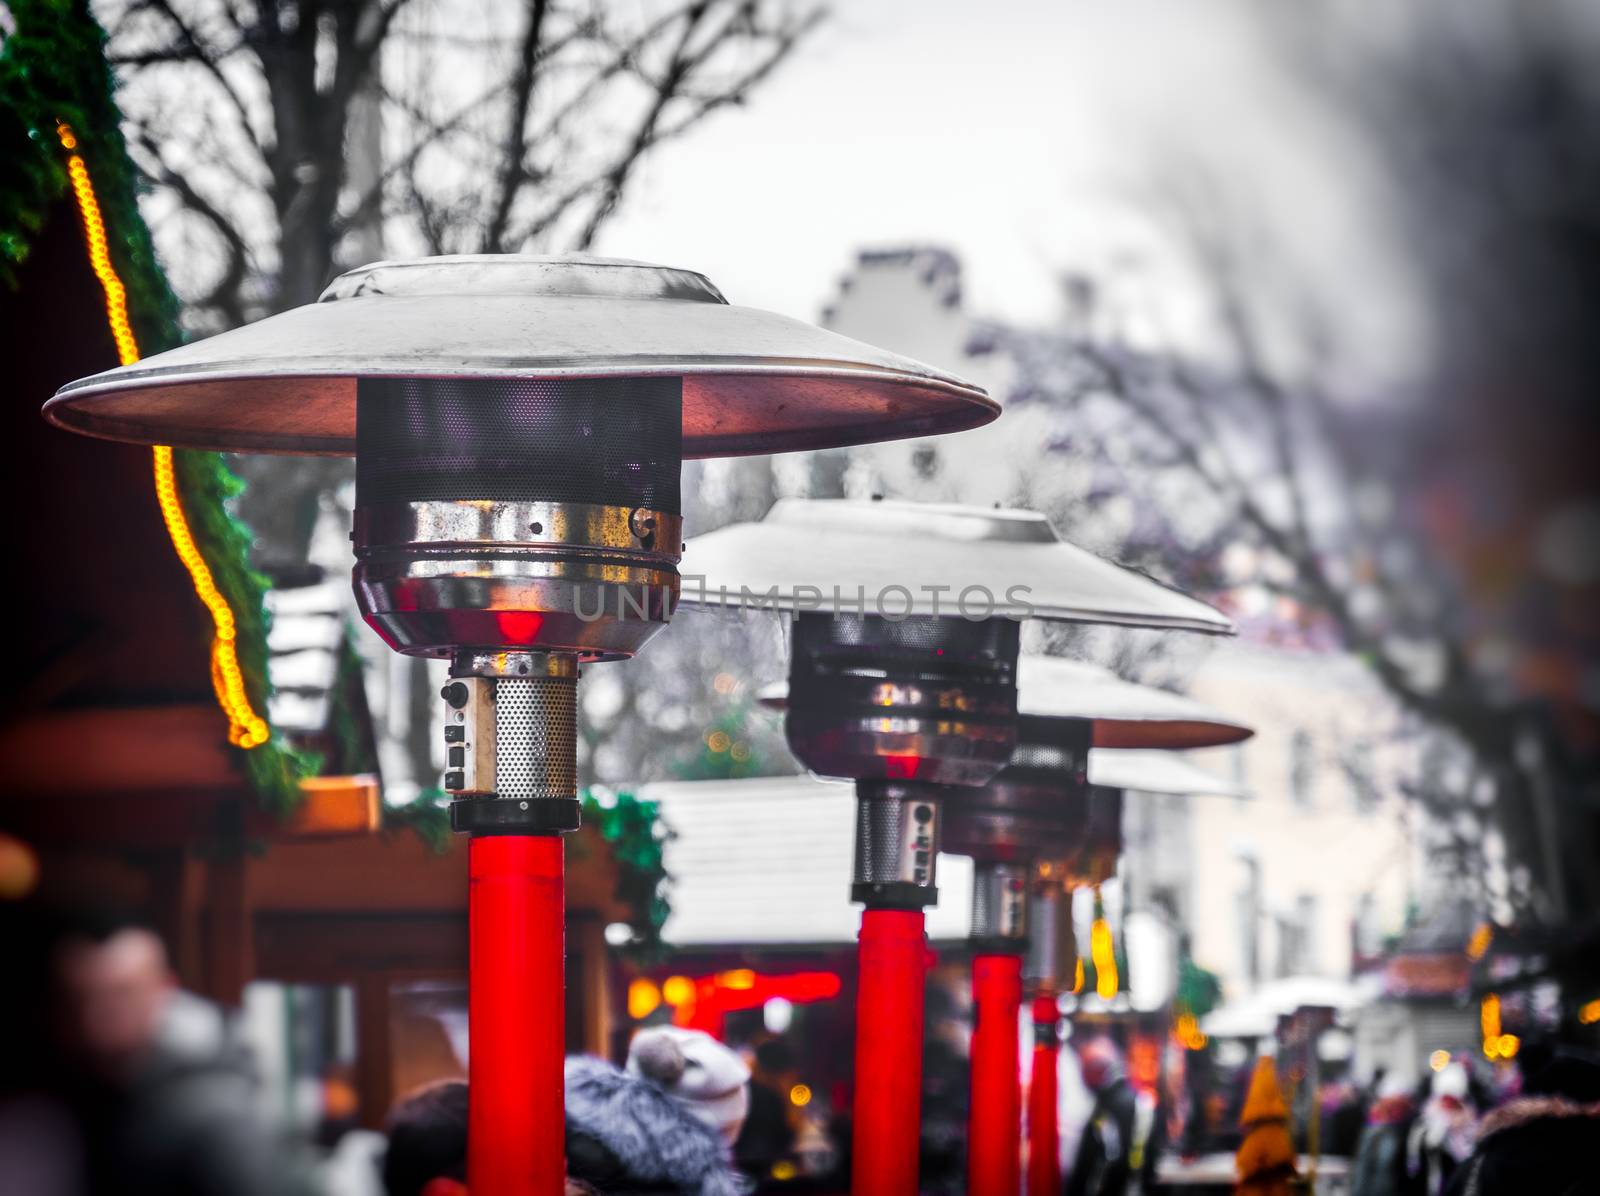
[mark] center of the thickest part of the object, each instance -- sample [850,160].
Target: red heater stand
[994,1127]
[516,1004]
[1044,1142]
[891,956]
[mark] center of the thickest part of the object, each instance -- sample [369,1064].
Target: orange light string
[246,728]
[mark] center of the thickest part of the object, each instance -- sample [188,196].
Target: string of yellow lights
[246,728]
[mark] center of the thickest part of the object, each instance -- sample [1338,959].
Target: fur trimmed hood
[626,1135]
[1528,1109]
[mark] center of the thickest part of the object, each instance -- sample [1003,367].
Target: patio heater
[1052,949]
[1039,810]
[903,678]
[518,425]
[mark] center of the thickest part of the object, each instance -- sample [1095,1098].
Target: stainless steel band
[655,537]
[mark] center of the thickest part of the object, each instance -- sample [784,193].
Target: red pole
[516,1118]
[890,971]
[994,1126]
[1044,1142]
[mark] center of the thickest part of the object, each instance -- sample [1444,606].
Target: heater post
[890,969]
[511,762]
[897,826]
[1000,940]
[994,1126]
[1044,1140]
[516,1005]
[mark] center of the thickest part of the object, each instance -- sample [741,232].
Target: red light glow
[902,768]
[519,626]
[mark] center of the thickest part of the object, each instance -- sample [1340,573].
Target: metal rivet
[536,527]
[523,805]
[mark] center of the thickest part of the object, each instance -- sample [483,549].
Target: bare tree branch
[513,167]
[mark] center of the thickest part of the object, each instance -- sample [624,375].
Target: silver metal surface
[476,662]
[897,559]
[1124,714]
[434,577]
[897,836]
[636,532]
[536,732]
[999,901]
[519,731]
[753,381]
[925,700]
[1156,772]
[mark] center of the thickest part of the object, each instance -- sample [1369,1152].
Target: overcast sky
[1024,135]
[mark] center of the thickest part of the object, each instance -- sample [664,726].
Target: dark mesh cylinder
[601,441]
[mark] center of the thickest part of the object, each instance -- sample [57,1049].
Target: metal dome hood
[1156,772]
[753,381]
[1125,714]
[912,559]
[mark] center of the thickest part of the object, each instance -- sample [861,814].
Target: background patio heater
[518,425]
[1039,811]
[902,678]
[1052,949]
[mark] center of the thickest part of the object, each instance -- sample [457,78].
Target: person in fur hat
[626,1136]
[710,1080]
[1444,1132]
[1542,1142]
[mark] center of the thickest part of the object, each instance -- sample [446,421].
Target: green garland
[1198,991]
[632,828]
[53,69]
[638,839]
[425,815]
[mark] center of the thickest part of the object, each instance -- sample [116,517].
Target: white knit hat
[712,1082]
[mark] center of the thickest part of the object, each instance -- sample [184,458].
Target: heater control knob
[469,735]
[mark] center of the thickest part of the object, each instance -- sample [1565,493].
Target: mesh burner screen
[536,734]
[605,441]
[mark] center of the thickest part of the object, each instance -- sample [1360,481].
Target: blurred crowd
[115,1082]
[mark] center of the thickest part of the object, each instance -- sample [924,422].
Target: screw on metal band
[562,528]
[477,662]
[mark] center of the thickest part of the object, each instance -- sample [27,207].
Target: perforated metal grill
[1059,745]
[880,842]
[604,441]
[897,835]
[1044,911]
[999,901]
[536,737]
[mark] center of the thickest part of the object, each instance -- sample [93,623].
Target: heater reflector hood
[753,381]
